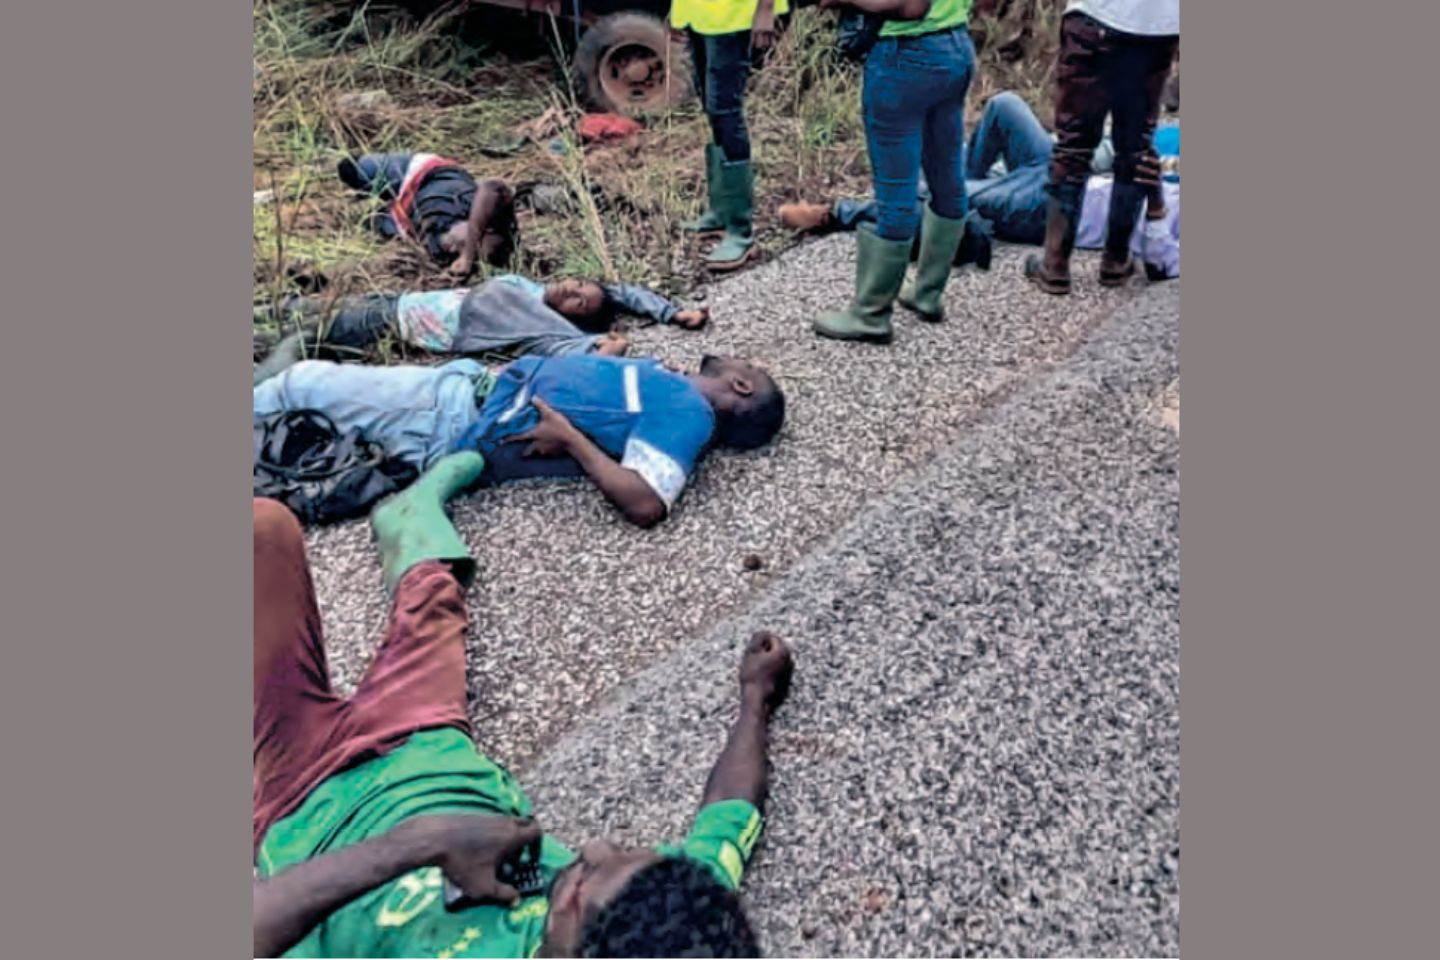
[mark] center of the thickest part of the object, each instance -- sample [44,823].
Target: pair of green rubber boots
[730,208]
[880,281]
[412,527]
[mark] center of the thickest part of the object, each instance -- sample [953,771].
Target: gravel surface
[980,756]
[571,600]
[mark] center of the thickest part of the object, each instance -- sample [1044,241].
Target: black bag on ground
[859,32]
[324,476]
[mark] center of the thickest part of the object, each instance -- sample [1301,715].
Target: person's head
[749,405]
[575,299]
[628,902]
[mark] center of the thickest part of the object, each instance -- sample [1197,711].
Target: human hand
[462,266]
[693,319]
[469,849]
[1147,169]
[765,670]
[551,437]
[762,30]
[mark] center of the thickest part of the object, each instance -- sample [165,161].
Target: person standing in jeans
[1115,56]
[916,78]
[723,35]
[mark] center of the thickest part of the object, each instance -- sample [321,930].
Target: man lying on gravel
[1007,164]
[506,314]
[438,204]
[634,427]
[380,830]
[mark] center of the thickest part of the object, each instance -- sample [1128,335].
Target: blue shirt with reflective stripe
[652,420]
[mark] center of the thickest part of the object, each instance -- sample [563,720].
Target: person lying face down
[635,428]
[379,829]
[507,314]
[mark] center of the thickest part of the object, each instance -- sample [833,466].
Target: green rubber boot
[939,239]
[879,271]
[710,221]
[412,527]
[735,202]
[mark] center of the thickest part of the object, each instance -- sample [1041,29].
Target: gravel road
[971,537]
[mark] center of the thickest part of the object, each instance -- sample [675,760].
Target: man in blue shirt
[635,428]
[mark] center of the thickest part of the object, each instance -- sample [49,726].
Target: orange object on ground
[607,126]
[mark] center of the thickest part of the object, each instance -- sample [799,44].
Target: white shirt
[1148,18]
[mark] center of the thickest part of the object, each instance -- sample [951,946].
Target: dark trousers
[722,68]
[304,732]
[1103,71]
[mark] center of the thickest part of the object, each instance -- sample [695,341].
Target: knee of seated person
[276,528]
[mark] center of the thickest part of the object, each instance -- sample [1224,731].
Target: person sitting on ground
[379,830]
[635,428]
[507,314]
[1006,168]
[438,204]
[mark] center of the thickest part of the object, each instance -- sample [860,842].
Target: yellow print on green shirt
[411,895]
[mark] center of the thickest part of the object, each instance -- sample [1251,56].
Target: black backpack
[321,474]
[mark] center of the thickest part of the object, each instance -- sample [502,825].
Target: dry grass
[447,90]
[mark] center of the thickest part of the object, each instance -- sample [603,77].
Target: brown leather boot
[1051,271]
[805,217]
[1116,264]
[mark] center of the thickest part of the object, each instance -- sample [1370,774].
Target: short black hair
[604,316]
[674,908]
[756,424]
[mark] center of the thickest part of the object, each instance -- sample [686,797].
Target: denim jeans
[722,67]
[415,413]
[1013,202]
[913,101]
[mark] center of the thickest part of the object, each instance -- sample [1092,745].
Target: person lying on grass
[438,204]
[1007,164]
[507,314]
[636,428]
[379,829]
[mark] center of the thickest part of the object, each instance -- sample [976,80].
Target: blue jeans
[913,101]
[722,67]
[415,413]
[1013,202]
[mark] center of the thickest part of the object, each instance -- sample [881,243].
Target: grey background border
[1307,523]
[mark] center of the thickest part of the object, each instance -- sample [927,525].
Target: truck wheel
[630,63]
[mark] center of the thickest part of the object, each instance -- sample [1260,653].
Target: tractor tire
[630,63]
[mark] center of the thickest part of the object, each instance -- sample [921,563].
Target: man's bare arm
[741,771]
[290,904]
[556,436]
[466,847]
[490,196]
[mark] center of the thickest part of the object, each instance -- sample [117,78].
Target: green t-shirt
[440,771]
[943,15]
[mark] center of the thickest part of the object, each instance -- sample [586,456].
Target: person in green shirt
[380,830]
[724,35]
[916,79]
